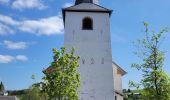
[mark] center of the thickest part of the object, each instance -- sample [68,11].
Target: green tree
[31,94]
[156,82]
[2,88]
[61,80]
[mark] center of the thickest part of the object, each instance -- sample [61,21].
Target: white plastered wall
[92,46]
[117,82]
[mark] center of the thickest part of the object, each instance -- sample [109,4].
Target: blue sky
[29,29]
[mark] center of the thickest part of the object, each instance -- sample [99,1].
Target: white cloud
[27,4]
[45,26]
[21,58]
[4,1]
[14,45]
[5,23]
[6,58]
[4,30]
[67,5]
[8,20]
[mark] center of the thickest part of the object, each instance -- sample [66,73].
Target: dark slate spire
[83,1]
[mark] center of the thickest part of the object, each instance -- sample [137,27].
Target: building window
[87,24]
[115,97]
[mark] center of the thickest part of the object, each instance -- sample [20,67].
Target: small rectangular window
[87,24]
[115,97]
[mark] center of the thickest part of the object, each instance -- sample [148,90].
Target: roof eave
[124,72]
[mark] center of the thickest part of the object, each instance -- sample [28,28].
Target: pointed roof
[83,1]
[86,1]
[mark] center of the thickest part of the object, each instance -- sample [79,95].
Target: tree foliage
[156,82]
[33,93]
[61,80]
[2,88]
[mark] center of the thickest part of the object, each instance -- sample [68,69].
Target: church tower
[87,29]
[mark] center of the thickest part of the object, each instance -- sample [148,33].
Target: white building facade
[118,73]
[87,29]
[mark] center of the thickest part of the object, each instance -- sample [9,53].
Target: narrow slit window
[92,61]
[102,60]
[83,61]
[115,97]
[87,24]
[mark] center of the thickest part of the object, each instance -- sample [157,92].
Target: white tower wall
[94,49]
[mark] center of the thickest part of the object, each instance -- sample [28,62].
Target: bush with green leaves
[61,80]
